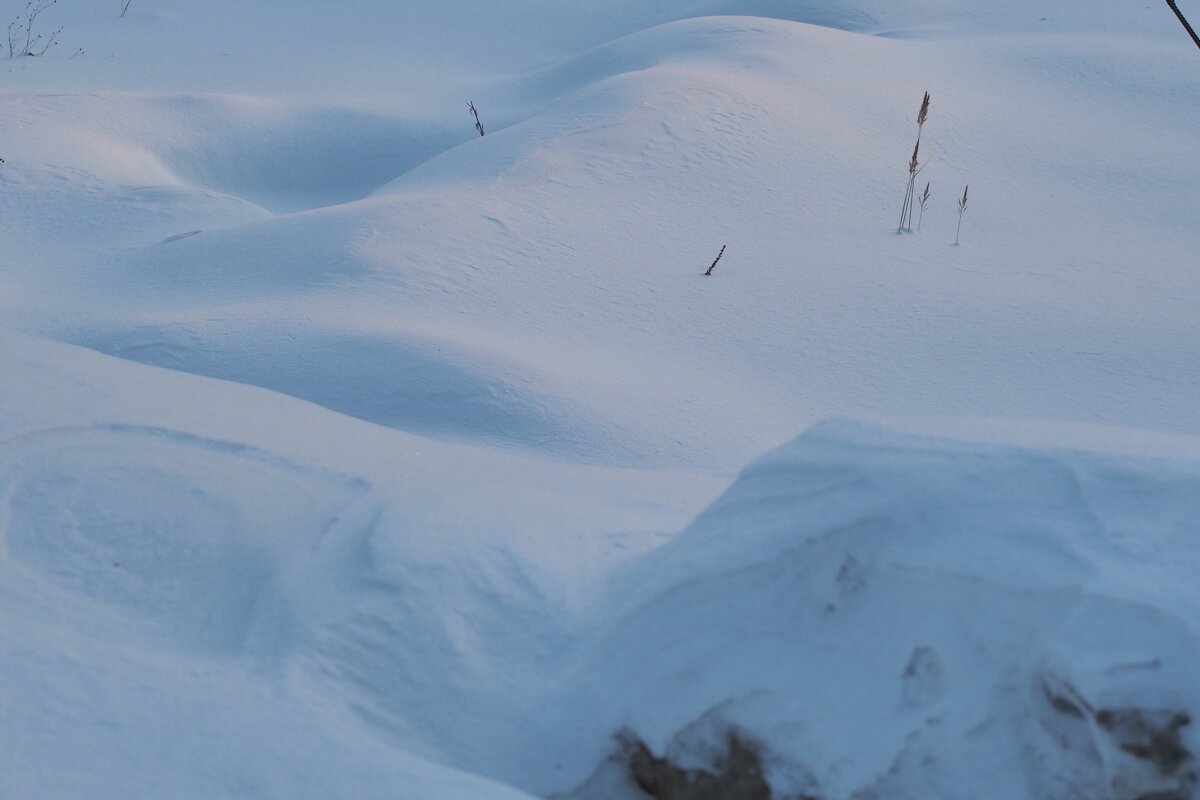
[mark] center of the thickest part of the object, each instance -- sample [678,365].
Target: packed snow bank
[902,615]
[200,581]
[190,555]
[281,155]
[909,610]
[429,53]
[543,284]
[216,590]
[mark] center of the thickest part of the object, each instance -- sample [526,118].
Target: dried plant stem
[715,260]
[1186,26]
[15,28]
[478,124]
[962,207]
[924,201]
[913,170]
[906,209]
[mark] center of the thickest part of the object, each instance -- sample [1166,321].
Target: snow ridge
[346,452]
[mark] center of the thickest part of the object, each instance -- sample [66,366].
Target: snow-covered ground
[347,453]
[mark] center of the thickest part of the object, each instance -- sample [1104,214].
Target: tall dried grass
[962,207]
[914,169]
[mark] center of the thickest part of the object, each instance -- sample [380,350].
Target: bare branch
[18,27]
[962,207]
[1182,19]
[914,169]
[478,124]
[15,29]
[714,264]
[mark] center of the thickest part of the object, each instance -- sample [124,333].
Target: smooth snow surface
[346,453]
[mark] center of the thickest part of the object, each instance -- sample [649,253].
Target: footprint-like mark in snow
[184,532]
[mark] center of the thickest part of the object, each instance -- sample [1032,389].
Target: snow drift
[878,610]
[426,520]
[902,615]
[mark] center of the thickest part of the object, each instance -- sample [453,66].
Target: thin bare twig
[715,260]
[478,124]
[962,207]
[913,170]
[1186,26]
[18,27]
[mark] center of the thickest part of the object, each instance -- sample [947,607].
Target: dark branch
[478,124]
[718,258]
[1186,26]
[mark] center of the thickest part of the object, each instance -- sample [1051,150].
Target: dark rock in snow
[738,775]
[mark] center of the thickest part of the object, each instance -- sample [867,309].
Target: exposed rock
[1149,735]
[923,677]
[1152,736]
[852,575]
[737,775]
[1064,698]
[1139,752]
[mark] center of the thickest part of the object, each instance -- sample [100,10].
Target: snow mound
[195,550]
[241,594]
[899,615]
[386,375]
[282,155]
[543,284]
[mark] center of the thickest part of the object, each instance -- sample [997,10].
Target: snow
[235,567]
[345,452]
[882,608]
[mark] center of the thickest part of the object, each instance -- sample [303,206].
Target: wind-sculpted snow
[907,616]
[874,609]
[184,548]
[393,376]
[234,593]
[285,156]
[543,283]
[345,452]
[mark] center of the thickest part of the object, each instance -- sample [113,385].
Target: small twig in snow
[715,260]
[1186,25]
[478,124]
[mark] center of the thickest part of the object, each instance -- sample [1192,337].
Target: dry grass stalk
[17,28]
[913,170]
[715,260]
[962,207]
[478,124]
[1186,25]
[924,201]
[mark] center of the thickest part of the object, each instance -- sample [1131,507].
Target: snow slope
[896,614]
[924,588]
[411,526]
[545,280]
[170,539]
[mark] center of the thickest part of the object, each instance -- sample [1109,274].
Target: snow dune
[345,452]
[545,279]
[210,554]
[936,589]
